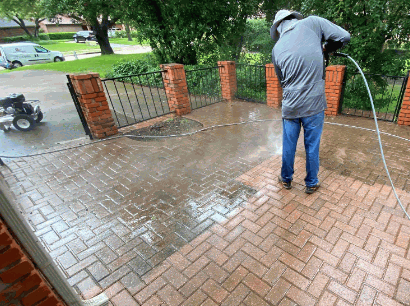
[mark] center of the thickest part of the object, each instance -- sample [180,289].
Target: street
[61,122]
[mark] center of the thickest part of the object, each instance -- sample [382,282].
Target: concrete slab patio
[201,220]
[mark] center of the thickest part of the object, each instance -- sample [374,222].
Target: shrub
[123,34]
[61,35]
[135,67]
[251,82]
[41,36]
[204,81]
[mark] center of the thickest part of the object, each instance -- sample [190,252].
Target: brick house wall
[21,283]
[53,28]
[9,32]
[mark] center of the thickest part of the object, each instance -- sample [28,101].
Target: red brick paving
[347,244]
[339,256]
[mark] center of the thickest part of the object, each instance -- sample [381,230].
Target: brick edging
[404,115]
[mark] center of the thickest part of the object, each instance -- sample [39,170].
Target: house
[67,24]
[62,24]
[9,28]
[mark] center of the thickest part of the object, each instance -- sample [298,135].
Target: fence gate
[136,98]
[78,107]
[387,92]
[204,86]
[251,82]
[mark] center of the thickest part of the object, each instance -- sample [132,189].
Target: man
[299,65]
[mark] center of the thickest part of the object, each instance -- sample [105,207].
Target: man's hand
[331,46]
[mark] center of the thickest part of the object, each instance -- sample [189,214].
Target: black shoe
[310,190]
[286,185]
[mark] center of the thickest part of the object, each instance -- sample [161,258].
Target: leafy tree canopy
[373,24]
[20,10]
[181,31]
[100,14]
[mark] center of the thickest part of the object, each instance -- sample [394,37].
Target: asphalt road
[61,122]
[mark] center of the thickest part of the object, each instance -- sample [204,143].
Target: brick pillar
[333,88]
[227,74]
[273,87]
[176,88]
[21,282]
[94,104]
[404,115]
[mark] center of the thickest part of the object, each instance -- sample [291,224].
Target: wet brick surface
[201,219]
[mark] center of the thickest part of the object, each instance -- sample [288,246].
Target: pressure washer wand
[340,54]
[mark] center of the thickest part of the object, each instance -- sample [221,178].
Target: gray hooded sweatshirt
[299,64]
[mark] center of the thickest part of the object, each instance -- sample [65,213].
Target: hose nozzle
[340,54]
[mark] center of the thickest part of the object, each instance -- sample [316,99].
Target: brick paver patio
[201,220]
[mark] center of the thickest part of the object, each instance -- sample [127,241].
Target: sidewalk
[201,220]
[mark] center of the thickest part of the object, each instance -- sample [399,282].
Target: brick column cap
[171,66]
[84,76]
[223,63]
[336,67]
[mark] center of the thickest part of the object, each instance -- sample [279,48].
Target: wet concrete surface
[61,121]
[150,197]
[113,211]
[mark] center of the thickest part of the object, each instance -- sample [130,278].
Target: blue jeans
[312,128]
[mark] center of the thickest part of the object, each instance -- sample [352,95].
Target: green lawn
[394,97]
[124,41]
[68,46]
[99,64]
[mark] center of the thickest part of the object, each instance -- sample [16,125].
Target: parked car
[84,36]
[20,54]
[113,32]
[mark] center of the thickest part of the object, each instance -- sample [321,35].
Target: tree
[99,14]
[372,24]
[128,31]
[180,30]
[269,8]
[20,10]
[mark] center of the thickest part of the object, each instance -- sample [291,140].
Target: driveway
[61,122]
[202,220]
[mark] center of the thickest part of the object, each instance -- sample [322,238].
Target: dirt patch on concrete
[170,126]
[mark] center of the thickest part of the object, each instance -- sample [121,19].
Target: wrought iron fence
[251,82]
[204,86]
[136,98]
[387,92]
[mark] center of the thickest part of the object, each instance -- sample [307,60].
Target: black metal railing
[204,86]
[386,92]
[136,98]
[251,82]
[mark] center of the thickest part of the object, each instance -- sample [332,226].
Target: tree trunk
[37,27]
[128,31]
[101,33]
[21,23]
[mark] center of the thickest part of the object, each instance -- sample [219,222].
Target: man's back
[298,58]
